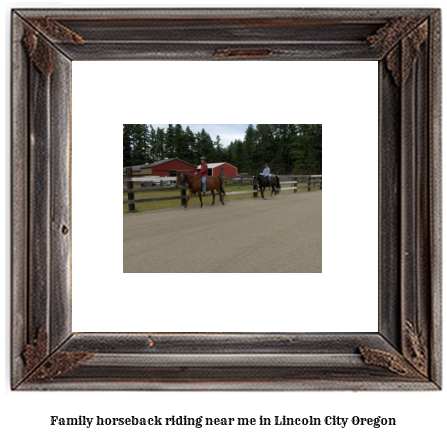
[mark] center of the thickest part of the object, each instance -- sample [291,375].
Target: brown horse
[194,184]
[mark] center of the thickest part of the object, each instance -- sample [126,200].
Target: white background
[417,414]
[338,300]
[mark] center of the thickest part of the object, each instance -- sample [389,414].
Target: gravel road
[281,234]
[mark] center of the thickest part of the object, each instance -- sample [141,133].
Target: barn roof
[157,163]
[135,168]
[213,165]
[166,160]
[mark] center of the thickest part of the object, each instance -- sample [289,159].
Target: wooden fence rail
[294,182]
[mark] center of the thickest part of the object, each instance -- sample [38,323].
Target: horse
[263,182]
[194,184]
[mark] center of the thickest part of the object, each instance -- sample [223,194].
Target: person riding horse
[203,172]
[266,171]
[265,179]
[198,183]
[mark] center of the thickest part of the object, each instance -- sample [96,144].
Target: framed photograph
[404,353]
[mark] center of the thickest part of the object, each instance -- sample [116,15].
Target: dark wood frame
[405,354]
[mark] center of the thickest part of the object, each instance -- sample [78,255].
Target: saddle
[265,179]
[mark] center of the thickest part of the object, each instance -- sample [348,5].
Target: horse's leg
[190,194]
[220,196]
[200,197]
[262,192]
[214,195]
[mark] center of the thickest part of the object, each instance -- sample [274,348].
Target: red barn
[214,169]
[170,166]
[166,167]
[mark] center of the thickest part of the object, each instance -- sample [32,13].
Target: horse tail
[277,182]
[221,186]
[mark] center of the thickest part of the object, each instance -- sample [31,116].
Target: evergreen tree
[136,145]
[219,150]
[180,143]
[205,146]
[169,143]
[284,137]
[248,148]
[190,140]
[306,149]
[234,154]
[264,147]
[127,146]
[152,144]
[159,145]
[286,147]
[240,154]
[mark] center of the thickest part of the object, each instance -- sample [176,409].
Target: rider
[203,172]
[266,171]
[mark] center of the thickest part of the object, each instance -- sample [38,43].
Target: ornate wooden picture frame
[405,353]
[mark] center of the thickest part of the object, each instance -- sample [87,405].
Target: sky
[227,133]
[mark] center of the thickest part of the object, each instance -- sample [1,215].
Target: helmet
[203,158]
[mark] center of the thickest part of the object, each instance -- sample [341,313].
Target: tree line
[287,148]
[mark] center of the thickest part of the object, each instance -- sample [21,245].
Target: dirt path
[281,234]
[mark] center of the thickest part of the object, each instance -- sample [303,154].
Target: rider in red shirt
[203,172]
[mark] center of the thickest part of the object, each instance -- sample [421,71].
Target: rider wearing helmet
[266,171]
[203,172]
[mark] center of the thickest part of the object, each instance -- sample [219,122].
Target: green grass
[194,201]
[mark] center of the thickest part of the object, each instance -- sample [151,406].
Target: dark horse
[264,182]
[194,184]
